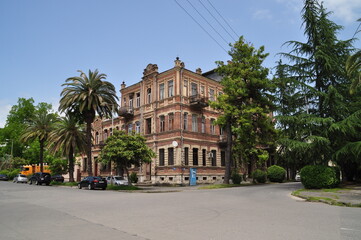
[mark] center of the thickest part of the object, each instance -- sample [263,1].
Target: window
[124,102]
[137,100]
[137,127]
[85,164]
[130,102]
[105,134]
[194,89]
[96,138]
[149,126]
[130,128]
[214,157]
[111,131]
[186,156]
[149,95]
[170,121]
[170,156]
[211,94]
[162,124]
[204,157]
[170,88]
[213,127]
[185,124]
[203,124]
[221,131]
[223,158]
[194,123]
[161,91]
[161,157]
[195,156]
[185,88]
[202,90]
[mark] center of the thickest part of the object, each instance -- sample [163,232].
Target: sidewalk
[348,195]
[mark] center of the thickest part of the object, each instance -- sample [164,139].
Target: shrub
[11,173]
[276,173]
[236,177]
[319,176]
[259,176]
[133,177]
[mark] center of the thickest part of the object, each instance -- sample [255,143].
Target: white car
[117,180]
[20,178]
[298,177]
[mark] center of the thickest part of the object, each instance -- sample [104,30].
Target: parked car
[39,178]
[4,177]
[20,178]
[57,178]
[93,182]
[117,180]
[298,177]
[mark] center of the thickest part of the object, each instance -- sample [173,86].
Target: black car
[57,178]
[39,178]
[4,177]
[93,182]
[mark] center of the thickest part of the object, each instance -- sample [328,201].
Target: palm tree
[39,127]
[68,137]
[353,69]
[88,95]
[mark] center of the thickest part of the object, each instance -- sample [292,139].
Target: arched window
[149,95]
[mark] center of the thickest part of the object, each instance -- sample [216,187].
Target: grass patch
[216,186]
[69,184]
[127,188]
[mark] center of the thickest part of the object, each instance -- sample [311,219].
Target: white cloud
[262,14]
[346,10]
[4,111]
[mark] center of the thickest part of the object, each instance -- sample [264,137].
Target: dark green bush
[319,176]
[11,173]
[259,176]
[133,177]
[236,177]
[276,173]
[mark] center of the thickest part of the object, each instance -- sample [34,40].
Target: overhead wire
[223,18]
[200,26]
[208,22]
[210,13]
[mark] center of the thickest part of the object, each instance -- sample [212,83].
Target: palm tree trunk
[41,157]
[89,146]
[227,174]
[71,164]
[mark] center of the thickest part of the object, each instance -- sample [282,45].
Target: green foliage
[120,187]
[259,176]
[11,173]
[126,150]
[276,173]
[86,95]
[319,176]
[236,177]
[133,177]
[246,101]
[57,165]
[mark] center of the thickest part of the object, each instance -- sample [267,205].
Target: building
[171,110]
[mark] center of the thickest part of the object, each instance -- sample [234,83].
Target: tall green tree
[316,67]
[38,128]
[246,103]
[125,150]
[88,95]
[353,69]
[68,137]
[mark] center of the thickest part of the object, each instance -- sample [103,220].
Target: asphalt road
[254,212]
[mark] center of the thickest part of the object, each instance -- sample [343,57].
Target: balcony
[198,101]
[222,141]
[126,112]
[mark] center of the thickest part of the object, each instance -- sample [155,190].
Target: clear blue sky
[43,42]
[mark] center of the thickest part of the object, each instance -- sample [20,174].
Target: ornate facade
[171,110]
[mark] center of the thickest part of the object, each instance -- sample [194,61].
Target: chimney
[199,71]
[122,86]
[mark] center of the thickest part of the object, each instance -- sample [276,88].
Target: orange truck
[31,169]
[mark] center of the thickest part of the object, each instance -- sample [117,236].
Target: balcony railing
[222,140]
[126,112]
[198,101]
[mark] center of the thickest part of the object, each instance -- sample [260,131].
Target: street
[252,213]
